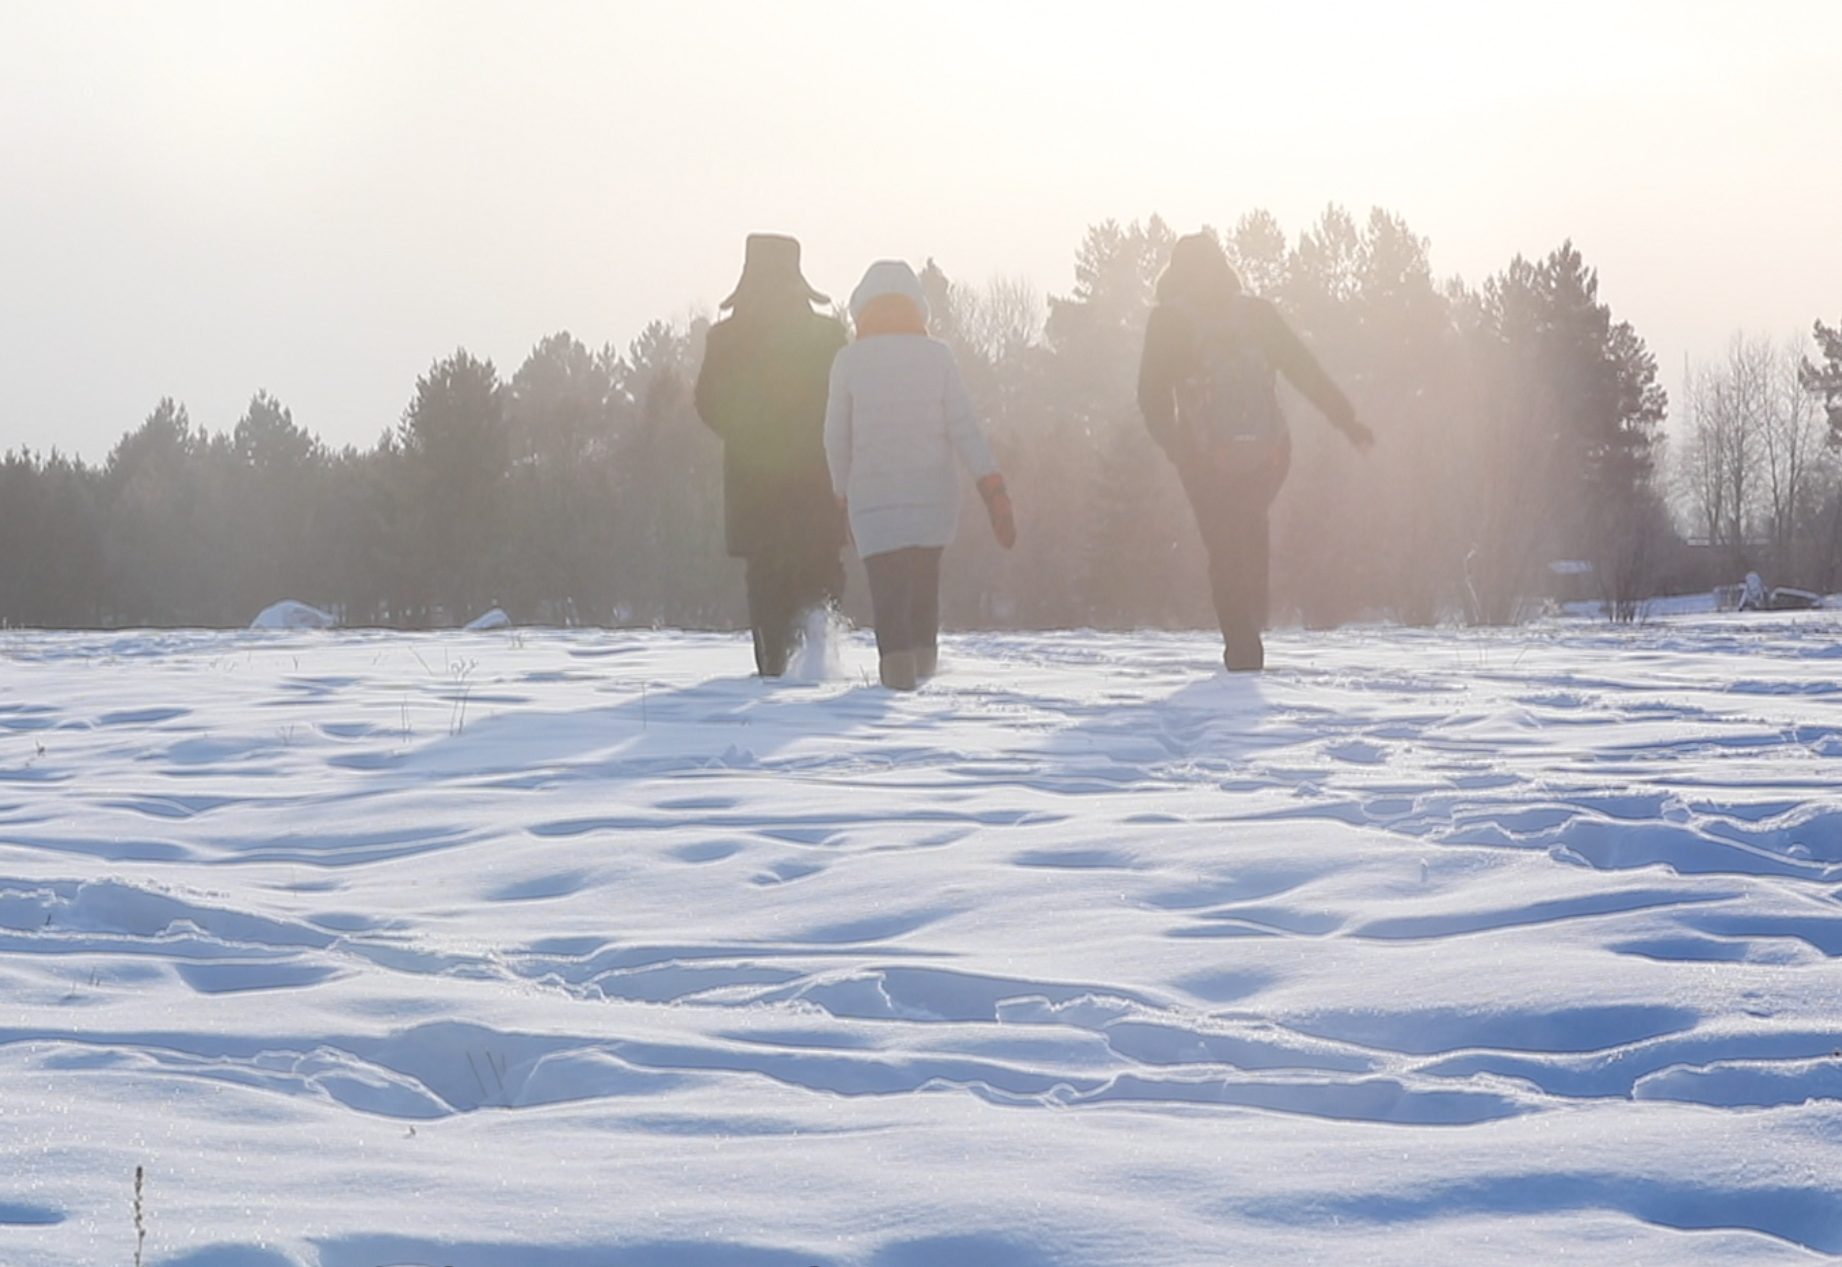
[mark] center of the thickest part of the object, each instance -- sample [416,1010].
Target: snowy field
[584,949]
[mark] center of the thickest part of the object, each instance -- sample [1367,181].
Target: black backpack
[1227,403]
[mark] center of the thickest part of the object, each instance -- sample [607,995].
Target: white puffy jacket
[897,414]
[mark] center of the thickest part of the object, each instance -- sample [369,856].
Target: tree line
[1519,425]
[1757,468]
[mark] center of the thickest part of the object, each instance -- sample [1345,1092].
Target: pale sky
[320,199]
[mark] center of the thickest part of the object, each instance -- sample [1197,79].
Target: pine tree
[456,459]
[1825,380]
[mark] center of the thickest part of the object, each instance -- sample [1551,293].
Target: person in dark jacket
[1205,388]
[762,391]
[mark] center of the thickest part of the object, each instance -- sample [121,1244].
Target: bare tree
[1795,459]
[999,319]
[1727,407]
[1753,462]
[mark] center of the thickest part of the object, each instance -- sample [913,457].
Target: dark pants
[1230,509]
[905,596]
[782,587]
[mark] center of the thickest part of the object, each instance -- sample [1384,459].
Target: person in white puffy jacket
[896,418]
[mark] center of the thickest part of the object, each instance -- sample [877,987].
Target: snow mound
[494,619]
[289,614]
[1423,948]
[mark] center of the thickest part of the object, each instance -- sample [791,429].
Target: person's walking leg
[770,614]
[1253,530]
[755,578]
[891,577]
[1241,594]
[1214,501]
[818,571]
[814,583]
[925,611]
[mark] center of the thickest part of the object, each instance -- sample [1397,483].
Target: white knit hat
[888,277]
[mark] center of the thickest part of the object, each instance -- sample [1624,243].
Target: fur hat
[888,277]
[770,264]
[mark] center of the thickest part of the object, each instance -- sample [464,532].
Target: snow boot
[1246,654]
[927,662]
[771,652]
[898,670]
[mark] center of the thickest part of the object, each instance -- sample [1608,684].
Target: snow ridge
[1422,947]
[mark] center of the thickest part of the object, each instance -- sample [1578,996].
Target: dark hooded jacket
[1172,354]
[762,390]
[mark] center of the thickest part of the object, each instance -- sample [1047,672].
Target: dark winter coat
[1172,354]
[762,391]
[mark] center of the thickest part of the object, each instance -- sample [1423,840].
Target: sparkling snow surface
[584,949]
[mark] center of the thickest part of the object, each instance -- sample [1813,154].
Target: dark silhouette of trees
[1569,414]
[1517,425]
[563,416]
[276,496]
[1825,379]
[456,457]
[156,495]
[1404,364]
[1363,299]
[51,560]
[1758,465]
[1117,557]
[670,566]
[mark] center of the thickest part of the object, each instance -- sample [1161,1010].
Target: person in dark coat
[1231,470]
[762,391]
